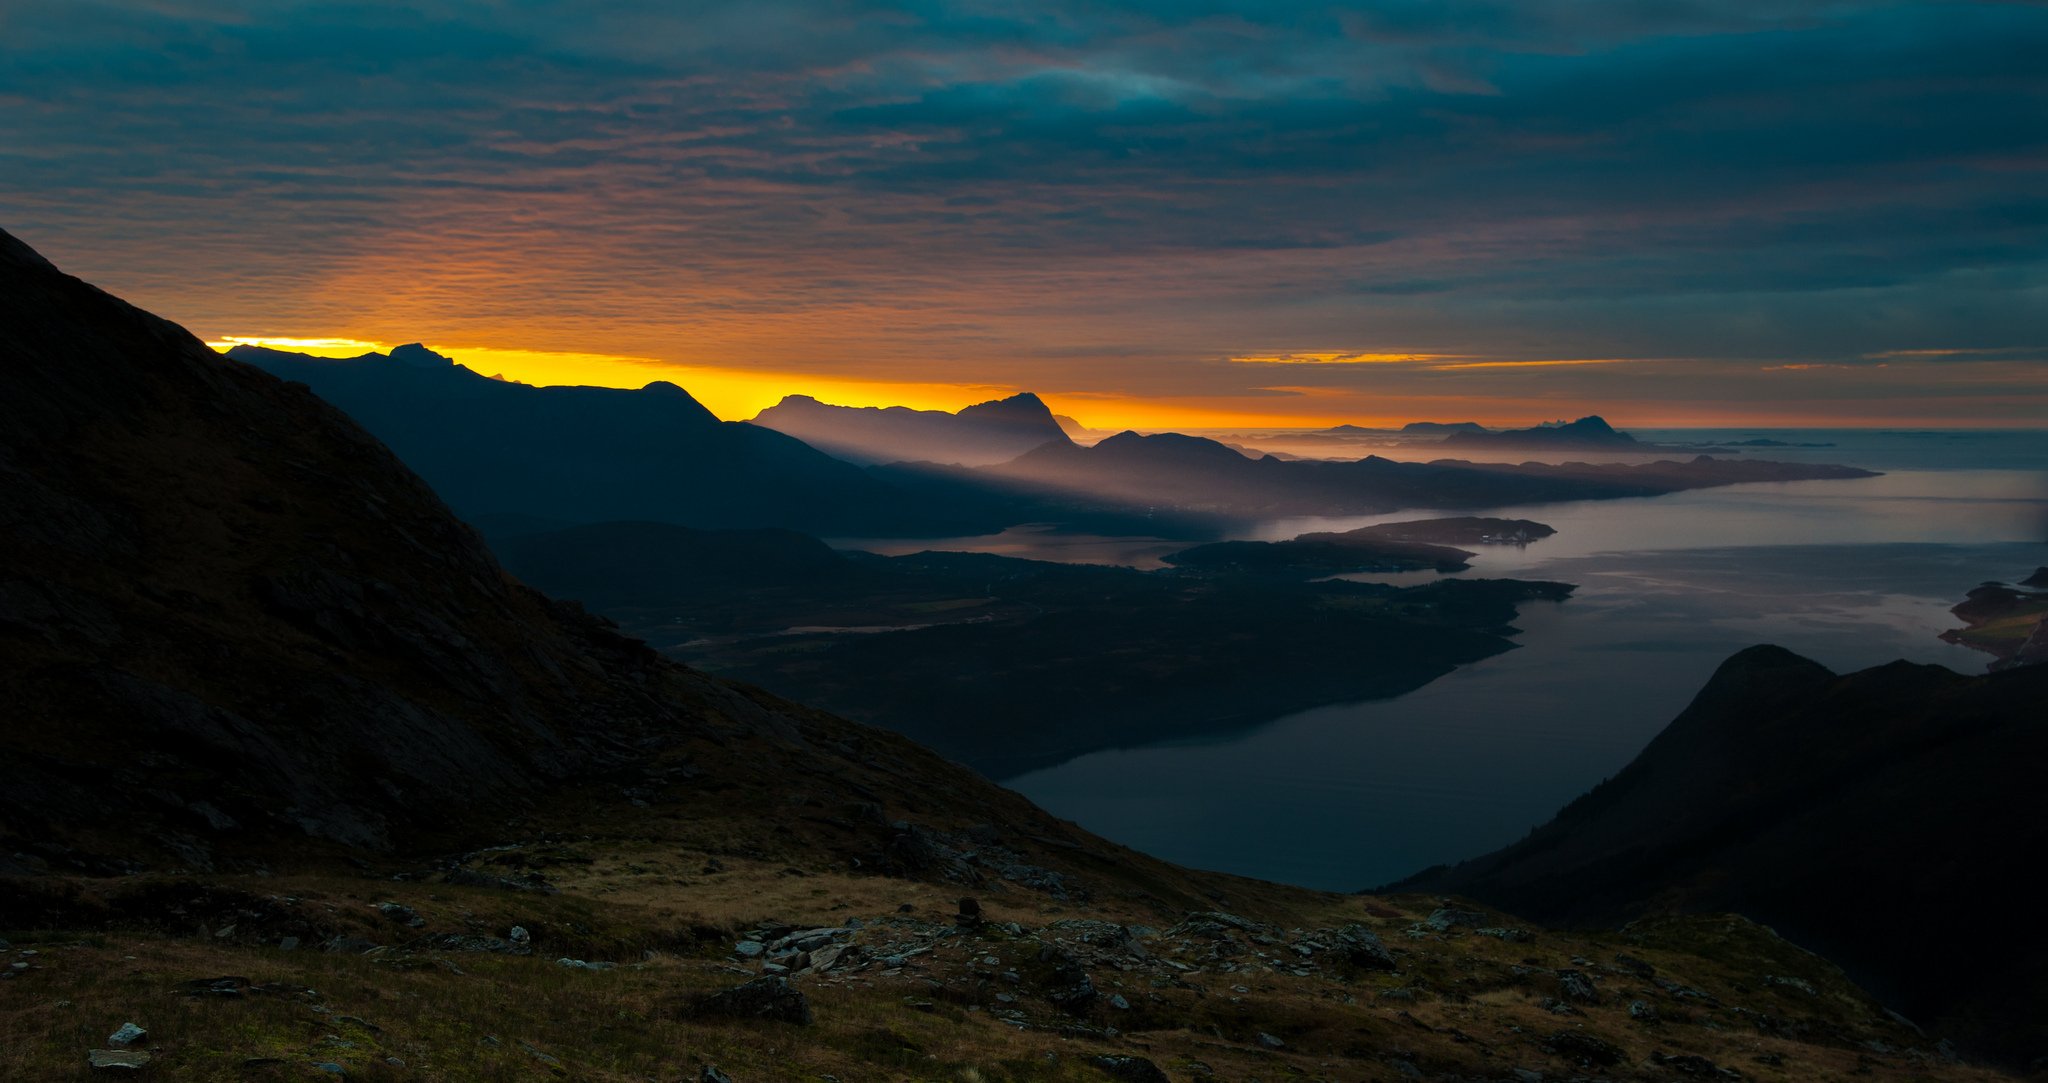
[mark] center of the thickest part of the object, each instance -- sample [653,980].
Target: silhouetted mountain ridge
[590,454]
[1860,815]
[986,432]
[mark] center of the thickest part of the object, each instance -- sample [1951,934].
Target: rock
[747,949]
[127,1035]
[331,1068]
[1578,987]
[1361,947]
[1069,989]
[117,1060]
[289,943]
[711,1074]
[580,964]
[970,911]
[1582,1048]
[1127,1067]
[1511,935]
[1118,1002]
[1444,920]
[519,935]
[1635,966]
[1642,1011]
[400,912]
[1800,984]
[763,998]
[1269,1041]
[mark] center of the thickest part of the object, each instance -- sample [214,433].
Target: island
[2007,623]
[1424,544]
[1008,665]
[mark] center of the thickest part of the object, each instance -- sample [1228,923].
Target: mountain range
[584,454]
[985,433]
[1870,817]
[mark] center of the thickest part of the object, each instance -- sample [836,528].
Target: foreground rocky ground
[640,953]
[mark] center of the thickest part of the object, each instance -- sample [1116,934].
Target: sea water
[1851,573]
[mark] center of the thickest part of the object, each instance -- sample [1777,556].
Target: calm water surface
[1851,573]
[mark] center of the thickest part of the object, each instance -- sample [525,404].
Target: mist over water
[1851,573]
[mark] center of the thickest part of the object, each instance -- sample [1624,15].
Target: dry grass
[1478,1012]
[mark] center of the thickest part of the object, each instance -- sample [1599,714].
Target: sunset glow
[1409,215]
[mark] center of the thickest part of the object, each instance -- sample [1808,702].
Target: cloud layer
[1755,205]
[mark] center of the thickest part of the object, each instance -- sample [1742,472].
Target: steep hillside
[1865,816]
[589,454]
[233,622]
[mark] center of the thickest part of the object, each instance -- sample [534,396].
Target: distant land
[1591,433]
[1862,816]
[2007,623]
[585,454]
[978,435]
[1192,478]
[1387,547]
[1008,664]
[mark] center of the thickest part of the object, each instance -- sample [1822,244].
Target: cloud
[1104,197]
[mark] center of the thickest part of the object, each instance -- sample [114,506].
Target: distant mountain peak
[414,353]
[982,434]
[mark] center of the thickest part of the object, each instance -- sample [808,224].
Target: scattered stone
[581,964]
[1511,935]
[1577,987]
[1444,920]
[711,1074]
[401,913]
[519,935]
[1642,1011]
[1269,1041]
[763,998]
[331,1067]
[117,1060]
[747,949]
[1118,1002]
[127,1035]
[1800,984]
[1127,1067]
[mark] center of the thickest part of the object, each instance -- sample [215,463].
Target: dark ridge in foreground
[1866,816]
[233,621]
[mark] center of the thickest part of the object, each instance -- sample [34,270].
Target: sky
[1152,212]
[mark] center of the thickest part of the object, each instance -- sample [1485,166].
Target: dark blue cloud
[998,182]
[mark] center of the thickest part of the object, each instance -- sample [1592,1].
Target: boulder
[763,998]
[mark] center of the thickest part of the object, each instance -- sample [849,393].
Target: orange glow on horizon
[739,394]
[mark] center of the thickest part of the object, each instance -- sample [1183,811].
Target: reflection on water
[1851,573]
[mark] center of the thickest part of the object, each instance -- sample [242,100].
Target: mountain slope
[1859,815]
[232,621]
[987,432]
[589,454]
